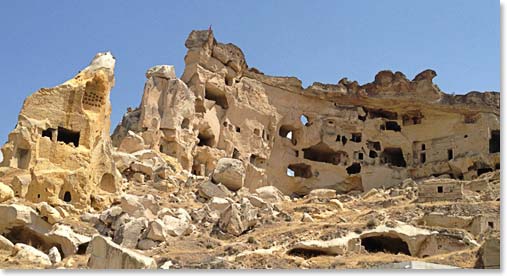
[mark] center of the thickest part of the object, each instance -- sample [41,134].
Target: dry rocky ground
[226,167]
[202,232]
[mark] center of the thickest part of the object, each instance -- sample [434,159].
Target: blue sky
[45,43]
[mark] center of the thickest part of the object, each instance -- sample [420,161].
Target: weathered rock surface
[31,255]
[62,138]
[105,254]
[230,172]
[5,244]
[6,192]
[230,168]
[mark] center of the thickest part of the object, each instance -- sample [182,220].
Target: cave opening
[68,136]
[48,133]
[300,170]
[494,141]
[287,131]
[205,139]
[323,153]
[412,118]
[107,183]
[185,123]
[304,120]
[393,156]
[217,96]
[355,168]
[305,253]
[236,154]
[25,235]
[393,125]
[375,145]
[257,160]
[67,197]
[380,113]
[23,157]
[483,171]
[356,137]
[385,244]
[450,154]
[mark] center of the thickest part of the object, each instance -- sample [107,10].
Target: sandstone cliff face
[342,136]
[230,168]
[211,113]
[62,138]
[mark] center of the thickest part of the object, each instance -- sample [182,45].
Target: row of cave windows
[494,147]
[305,170]
[62,135]
[392,156]
[414,118]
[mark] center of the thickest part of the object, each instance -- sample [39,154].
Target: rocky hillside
[226,167]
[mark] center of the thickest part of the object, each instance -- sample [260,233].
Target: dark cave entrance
[305,253]
[494,142]
[385,244]
[217,96]
[323,153]
[393,156]
[68,136]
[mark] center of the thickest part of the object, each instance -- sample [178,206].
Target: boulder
[110,215]
[161,71]
[218,203]
[177,224]
[208,190]
[148,162]
[6,192]
[150,202]
[47,211]
[322,193]
[238,218]
[307,218]
[123,160]
[5,244]
[66,238]
[230,172]
[156,230]
[54,255]
[167,265]
[489,253]
[26,253]
[105,254]
[128,234]
[132,205]
[16,215]
[20,184]
[230,220]
[257,201]
[270,193]
[120,221]
[89,217]
[337,203]
[146,244]
[131,143]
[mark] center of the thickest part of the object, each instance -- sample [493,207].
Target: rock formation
[226,167]
[342,136]
[62,138]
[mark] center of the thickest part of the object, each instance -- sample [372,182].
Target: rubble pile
[226,167]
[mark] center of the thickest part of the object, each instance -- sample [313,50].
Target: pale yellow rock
[62,138]
[6,192]
[31,255]
[105,254]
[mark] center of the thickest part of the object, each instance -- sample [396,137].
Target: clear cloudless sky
[44,43]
